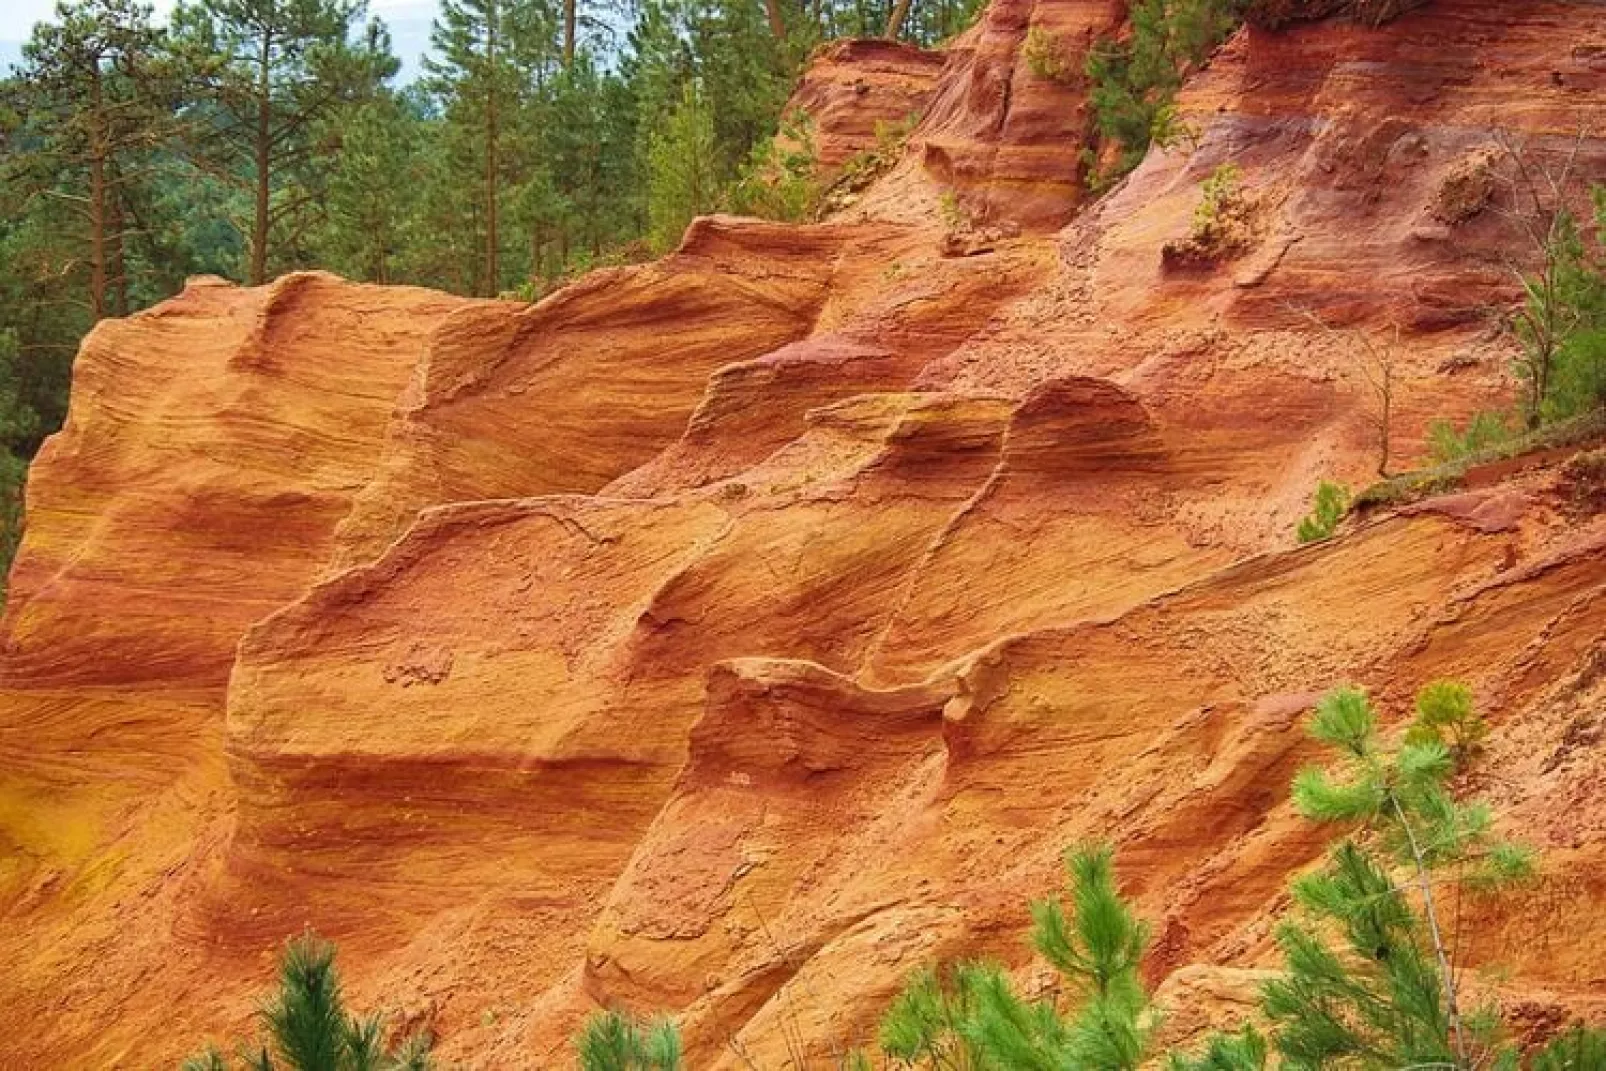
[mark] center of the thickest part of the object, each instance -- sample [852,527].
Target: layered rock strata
[730,635]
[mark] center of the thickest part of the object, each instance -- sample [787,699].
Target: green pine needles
[1369,979]
[1579,1049]
[1242,1051]
[1445,715]
[973,1020]
[309,1028]
[1135,78]
[1102,948]
[1395,991]
[1327,510]
[614,1041]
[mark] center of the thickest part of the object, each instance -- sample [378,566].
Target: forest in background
[247,138]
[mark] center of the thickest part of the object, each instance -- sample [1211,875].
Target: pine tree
[585,137]
[18,425]
[309,1028]
[492,55]
[975,1020]
[1135,78]
[1104,948]
[1328,507]
[371,195]
[1369,980]
[614,1041]
[266,74]
[680,176]
[92,90]
[1403,800]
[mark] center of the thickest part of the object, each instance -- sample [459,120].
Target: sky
[409,23]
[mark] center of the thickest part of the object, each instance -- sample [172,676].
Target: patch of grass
[1485,431]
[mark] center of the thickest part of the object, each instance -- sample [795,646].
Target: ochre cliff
[732,634]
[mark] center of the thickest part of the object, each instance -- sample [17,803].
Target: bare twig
[1378,372]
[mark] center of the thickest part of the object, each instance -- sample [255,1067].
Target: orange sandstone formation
[730,635]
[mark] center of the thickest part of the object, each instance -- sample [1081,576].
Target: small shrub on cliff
[309,1028]
[1045,57]
[614,1041]
[1561,321]
[867,165]
[1327,509]
[778,180]
[1445,716]
[1223,222]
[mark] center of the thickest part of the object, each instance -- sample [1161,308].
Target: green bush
[1327,509]
[309,1028]
[1561,324]
[1579,382]
[1445,716]
[1223,224]
[1044,53]
[779,179]
[869,164]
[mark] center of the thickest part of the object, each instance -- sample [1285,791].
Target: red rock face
[854,87]
[730,635]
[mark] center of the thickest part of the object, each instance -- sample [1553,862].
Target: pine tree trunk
[1451,1004]
[900,12]
[116,217]
[264,133]
[772,8]
[97,206]
[570,16]
[492,240]
[116,260]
